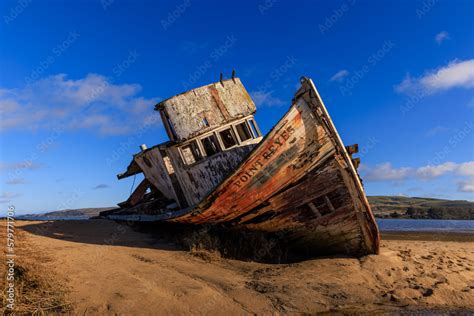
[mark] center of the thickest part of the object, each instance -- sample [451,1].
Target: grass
[420,208]
[37,292]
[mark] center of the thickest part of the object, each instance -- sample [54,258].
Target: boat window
[228,138]
[190,153]
[254,128]
[168,165]
[210,145]
[167,161]
[243,131]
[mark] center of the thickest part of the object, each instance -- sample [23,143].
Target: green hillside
[382,206]
[420,208]
[81,212]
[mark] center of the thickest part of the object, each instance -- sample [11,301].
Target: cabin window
[210,145]
[168,165]
[191,153]
[243,131]
[228,138]
[167,161]
[254,128]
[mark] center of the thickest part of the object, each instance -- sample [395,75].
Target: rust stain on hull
[296,164]
[298,181]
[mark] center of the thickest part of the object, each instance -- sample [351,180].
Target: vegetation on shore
[420,208]
[80,212]
[382,206]
[36,288]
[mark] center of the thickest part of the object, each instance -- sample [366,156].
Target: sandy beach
[103,267]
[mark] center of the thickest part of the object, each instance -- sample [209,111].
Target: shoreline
[428,236]
[109,268]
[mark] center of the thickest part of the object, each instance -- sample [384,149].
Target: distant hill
[420,208]
[72,213]
[382,206]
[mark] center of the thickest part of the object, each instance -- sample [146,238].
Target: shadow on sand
[241,245]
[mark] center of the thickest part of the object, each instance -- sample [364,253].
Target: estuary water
[431,225]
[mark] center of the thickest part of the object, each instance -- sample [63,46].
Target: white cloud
[433,171]
[455,74]
[385,171]
[262,98]
[466,186]
[7,197]
[29,165]
[92,103]
[466,169]
[436,130]
[441,37]
[100,186]
[16,181]
[407,85]
[340,75]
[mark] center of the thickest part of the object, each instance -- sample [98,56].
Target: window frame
[231,128]
[199,151]
[216,138]
[248,129]
[257,129]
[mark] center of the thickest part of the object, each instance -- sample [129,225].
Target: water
[431,225]
[53,218]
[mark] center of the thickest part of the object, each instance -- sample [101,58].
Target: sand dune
[110,269]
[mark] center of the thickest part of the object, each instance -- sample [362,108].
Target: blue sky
[78,81]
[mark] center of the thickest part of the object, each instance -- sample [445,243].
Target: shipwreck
[298,180]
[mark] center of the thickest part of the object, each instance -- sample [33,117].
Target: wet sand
[110,269]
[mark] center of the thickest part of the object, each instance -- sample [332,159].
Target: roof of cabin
[161,104]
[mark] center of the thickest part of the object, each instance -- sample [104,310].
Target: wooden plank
[314,209]
[139,192]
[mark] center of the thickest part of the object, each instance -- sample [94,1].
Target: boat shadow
[242,245]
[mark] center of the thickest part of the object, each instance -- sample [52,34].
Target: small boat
[299,181]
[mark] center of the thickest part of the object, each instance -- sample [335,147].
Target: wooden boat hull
[300,182]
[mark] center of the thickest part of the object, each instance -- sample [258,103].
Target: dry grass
[37,292]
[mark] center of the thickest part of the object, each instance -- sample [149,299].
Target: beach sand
[108,268]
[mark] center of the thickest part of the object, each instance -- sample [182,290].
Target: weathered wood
[301,142]
[299,180]
[314,209]
[216,103]
[153,166]
[352,149]
[139,192]
[356,162]
[200,179]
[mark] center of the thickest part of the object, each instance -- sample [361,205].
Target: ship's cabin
[211,130]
